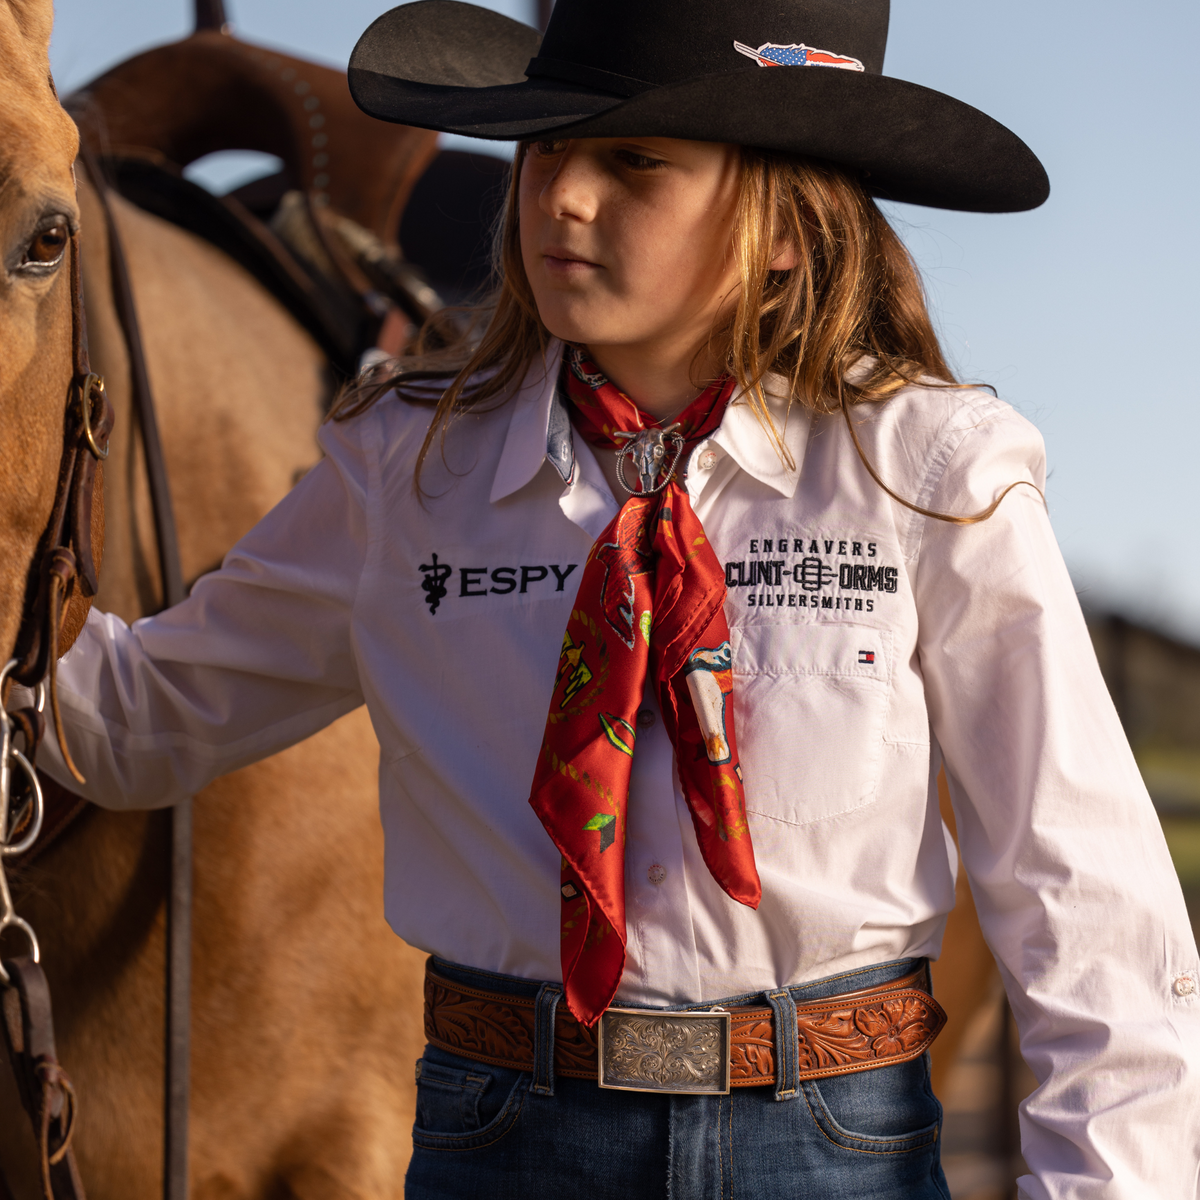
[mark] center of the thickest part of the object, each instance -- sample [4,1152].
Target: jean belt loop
[543,1038]
[787,1051]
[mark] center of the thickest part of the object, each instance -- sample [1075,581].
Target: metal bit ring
[92,383]
[39,811]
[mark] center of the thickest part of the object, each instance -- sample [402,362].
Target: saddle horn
[210,14]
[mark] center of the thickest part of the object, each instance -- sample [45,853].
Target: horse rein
[177,1086]
[66,557]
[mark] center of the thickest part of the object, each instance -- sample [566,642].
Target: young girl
[668,615]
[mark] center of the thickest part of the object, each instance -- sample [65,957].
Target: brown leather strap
[143,395]
[179,898]
[46,1092]
[856,1031]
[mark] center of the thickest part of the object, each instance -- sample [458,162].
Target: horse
[306,1008]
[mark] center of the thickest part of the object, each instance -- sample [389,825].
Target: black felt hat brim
[909,143]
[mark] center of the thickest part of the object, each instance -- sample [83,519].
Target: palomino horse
[306,1007]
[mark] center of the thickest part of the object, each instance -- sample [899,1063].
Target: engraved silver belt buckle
[684,1053]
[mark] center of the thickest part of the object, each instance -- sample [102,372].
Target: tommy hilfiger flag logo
[866,656]
[773,54]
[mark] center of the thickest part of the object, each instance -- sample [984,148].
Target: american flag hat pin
[797,54]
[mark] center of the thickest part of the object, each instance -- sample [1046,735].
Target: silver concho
[686,1053]
[647,450]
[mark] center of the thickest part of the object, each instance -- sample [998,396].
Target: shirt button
[656,874]
[707,460]
[1185,985]
[645,718]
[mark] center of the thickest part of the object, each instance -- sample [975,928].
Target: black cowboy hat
[801,76]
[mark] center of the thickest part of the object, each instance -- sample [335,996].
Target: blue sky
[1081,313]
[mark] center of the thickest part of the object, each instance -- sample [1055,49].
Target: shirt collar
[525,447]
[745,439]
[537,433]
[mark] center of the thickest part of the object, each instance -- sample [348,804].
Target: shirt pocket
[811,702]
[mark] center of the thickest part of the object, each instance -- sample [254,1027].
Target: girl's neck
[662,382]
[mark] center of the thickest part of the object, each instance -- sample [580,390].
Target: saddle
[212,91]
[322,234]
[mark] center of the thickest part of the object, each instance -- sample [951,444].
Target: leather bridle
[65,558]
[66,551]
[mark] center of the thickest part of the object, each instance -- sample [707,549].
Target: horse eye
[48,245]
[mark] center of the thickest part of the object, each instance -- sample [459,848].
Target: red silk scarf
[650,604]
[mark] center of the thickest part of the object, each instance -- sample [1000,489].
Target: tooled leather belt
[704,1051]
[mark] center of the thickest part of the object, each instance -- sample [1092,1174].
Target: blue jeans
[484,1132]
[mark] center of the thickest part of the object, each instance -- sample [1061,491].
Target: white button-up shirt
[871,646]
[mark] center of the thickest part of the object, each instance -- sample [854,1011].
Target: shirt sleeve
[257,658]
[1070,872]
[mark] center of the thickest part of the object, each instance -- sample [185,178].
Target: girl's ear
[785,255]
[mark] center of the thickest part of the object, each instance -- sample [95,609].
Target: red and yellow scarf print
[650,603]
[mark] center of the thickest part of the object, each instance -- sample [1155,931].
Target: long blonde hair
[855,297]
